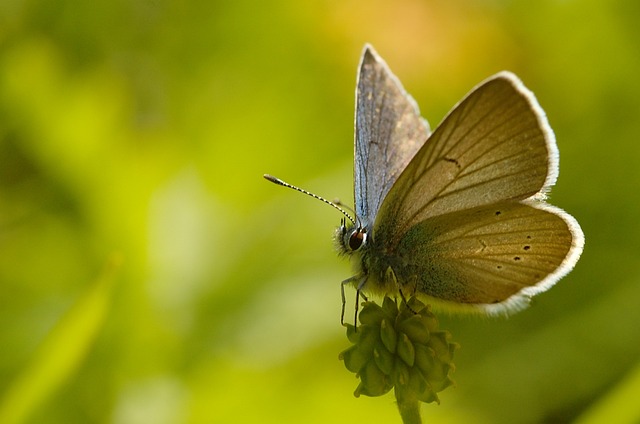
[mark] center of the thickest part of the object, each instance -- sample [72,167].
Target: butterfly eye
[357,239]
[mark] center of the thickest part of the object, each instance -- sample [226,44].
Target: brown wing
[494,145]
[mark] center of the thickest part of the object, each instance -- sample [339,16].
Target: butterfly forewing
[494,145]
[389,130]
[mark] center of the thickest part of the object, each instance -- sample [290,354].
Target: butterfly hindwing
[492,258]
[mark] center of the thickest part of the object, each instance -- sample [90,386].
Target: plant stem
[409,408]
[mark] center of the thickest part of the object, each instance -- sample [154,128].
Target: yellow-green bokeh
[149,274]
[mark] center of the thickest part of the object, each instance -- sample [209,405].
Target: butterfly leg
[390,275]
[404,300]
[344,299]
[358,294]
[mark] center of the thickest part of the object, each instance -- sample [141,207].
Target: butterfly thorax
[373,269]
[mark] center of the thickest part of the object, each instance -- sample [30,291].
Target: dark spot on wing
[452,160]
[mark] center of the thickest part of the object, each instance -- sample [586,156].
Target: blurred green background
[148,274]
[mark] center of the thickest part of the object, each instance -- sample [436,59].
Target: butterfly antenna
[278,181]
[339,203]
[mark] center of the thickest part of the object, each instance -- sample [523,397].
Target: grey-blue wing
[388,132]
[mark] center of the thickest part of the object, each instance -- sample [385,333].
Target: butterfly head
[350,237]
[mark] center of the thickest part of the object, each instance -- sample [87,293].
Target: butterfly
[459,215]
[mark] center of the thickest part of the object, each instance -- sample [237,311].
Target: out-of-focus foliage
[149,274]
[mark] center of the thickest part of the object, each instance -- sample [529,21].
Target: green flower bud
[400,347]
[388,335]
[354,359]
[389,306]
[415,328]
[373,381]
[384,360]
[372,314]
[406,351]
[401,374]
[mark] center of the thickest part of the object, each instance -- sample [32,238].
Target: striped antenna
[278,181]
